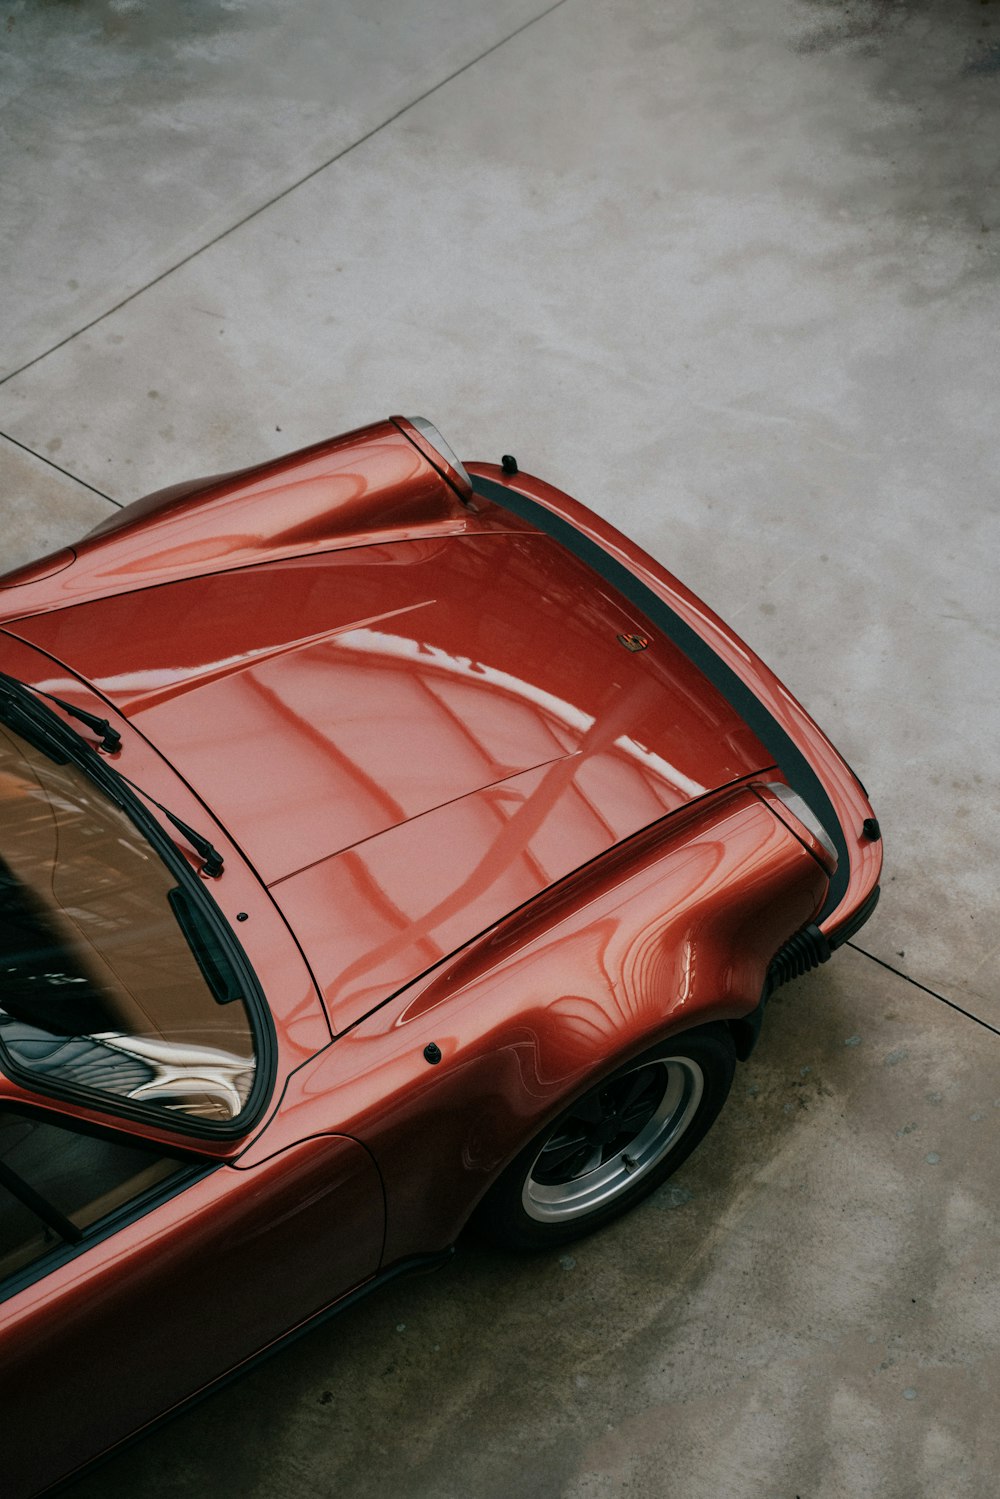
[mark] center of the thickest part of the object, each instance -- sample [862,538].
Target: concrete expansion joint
[59,469]
[924,989]
[270,202]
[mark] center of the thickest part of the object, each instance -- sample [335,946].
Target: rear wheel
[614,1145]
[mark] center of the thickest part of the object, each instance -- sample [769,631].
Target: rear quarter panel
[673,929]
[805,755]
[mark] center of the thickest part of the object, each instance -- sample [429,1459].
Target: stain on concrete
[140,22]
[854,21]
[671,1196]
[911,57]
[984,60]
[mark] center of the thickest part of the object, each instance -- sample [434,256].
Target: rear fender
[671,930]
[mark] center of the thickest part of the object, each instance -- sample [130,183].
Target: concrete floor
[728,274]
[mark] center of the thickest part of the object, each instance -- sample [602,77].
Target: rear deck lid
[317,704]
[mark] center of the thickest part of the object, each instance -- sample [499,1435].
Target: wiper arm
[16,709]
[61,743]
[213,864]
[111,740]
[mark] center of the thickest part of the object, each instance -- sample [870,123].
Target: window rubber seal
[121,795]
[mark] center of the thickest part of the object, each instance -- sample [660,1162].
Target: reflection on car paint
[514,859]
[318,728]
[100,987]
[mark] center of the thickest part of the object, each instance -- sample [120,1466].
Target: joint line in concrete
[932,992]
[75,477]
[262,207]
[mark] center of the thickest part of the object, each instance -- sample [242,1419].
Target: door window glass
[57,1183]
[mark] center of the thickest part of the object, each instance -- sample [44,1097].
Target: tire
[613,1146]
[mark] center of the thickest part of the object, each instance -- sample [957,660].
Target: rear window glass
[112,977]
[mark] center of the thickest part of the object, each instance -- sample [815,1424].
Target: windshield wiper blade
[61,743]
[208,951]
[213,864]
[15,709]
[111,740]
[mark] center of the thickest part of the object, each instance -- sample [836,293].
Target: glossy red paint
[841,784]
[374,484]
[153,1313]
[297,1013]
[455,811]
[676,928]
[407,676]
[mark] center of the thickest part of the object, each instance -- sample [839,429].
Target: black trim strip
[120,792]
[190,1168]
[840,935]
[787,755]
[95,1233]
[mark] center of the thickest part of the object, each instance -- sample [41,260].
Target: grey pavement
[730,276]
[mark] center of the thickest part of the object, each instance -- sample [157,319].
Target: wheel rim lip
[563,1201]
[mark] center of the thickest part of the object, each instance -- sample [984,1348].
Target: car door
[134,1277]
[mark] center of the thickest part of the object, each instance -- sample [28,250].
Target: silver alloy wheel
[612,1138]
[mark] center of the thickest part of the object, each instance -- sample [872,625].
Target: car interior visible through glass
[109,980]
[56,1182]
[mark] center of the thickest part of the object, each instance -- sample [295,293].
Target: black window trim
[120,794]
[137,1207]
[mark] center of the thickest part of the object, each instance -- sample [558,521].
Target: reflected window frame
[81,754]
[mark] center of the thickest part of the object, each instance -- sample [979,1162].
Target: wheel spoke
[590,1110]
[642,1082]
[613,1139]
[595,1159]
[638,1116]
[558,1152]
[641,1106]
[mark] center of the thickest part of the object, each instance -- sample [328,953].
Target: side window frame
[190,1169]
[121,795]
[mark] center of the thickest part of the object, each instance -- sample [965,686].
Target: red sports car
[385,845]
